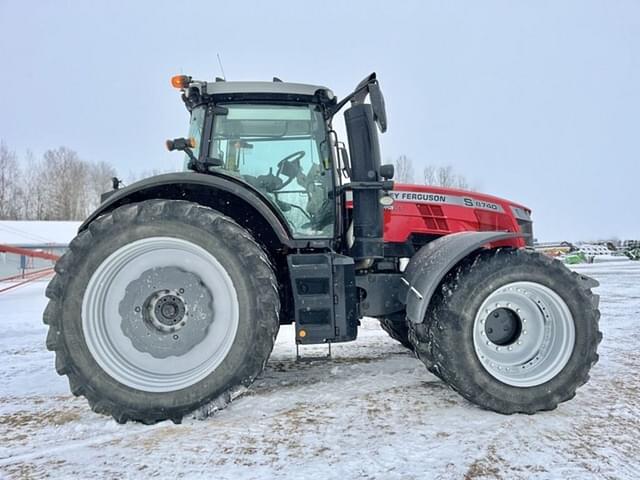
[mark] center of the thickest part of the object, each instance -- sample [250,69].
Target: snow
[373,411]
[37,233]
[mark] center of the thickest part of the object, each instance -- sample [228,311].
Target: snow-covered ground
[373,411]
[37,232]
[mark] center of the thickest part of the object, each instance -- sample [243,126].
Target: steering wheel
[289,167]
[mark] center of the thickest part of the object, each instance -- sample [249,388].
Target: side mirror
[386,171]
[377,103]
[181,144]
[184,145]
[344,159]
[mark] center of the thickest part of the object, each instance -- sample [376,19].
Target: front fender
[431,263]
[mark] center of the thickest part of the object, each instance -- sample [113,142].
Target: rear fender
[221,192]
[432,262]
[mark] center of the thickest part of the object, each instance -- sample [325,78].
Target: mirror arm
[358,96]
[191,156]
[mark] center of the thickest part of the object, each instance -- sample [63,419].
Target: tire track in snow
[314,387]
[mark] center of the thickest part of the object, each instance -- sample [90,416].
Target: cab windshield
[283,151]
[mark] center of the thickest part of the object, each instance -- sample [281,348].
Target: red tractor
[172,293]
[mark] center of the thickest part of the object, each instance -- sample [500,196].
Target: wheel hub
[166,311]
[503,326]
[524,334]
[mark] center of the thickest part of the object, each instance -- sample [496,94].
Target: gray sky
[535,101]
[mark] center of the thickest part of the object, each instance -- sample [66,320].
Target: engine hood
[452,196]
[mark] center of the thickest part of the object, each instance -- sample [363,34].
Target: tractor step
[312,358]
[324,294]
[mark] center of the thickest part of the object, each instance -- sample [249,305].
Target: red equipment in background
[13,281]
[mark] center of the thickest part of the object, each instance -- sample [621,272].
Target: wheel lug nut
[510,348]
[137,309]
[175,337]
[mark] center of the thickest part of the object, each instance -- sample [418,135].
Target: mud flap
[432,262]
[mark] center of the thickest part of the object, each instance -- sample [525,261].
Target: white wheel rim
[104,326]
[540,349]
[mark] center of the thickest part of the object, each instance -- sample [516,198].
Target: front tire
[512,331]
[396,327]
[159,308]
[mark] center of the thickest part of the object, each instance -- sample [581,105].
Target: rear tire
[396,326]
[159,308]
[476,337]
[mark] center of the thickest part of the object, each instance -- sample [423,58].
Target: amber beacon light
[180,81]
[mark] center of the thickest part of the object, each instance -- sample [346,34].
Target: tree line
[58,186]
[442,176]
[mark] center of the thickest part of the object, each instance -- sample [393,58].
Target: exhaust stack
[366,183]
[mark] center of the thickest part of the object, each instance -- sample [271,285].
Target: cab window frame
[323,146]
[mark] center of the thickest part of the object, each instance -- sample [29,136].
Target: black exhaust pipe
[366,183]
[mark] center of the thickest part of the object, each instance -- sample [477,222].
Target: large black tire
[246,264]
[445,340]
[396,326]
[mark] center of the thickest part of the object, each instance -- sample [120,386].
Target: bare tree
[141,175]
[404,169]
[461,183]
[444,177]
[65,178]
[60,186]
[9,188]
[98,182]
[33,200]
[429,175]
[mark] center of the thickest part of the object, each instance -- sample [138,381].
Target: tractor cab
[282,150]
[277,138]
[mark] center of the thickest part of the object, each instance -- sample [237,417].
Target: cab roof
[197,92]
[275,87]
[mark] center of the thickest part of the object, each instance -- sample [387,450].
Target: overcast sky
[535,101]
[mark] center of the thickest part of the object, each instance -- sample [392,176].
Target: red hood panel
[427,210]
